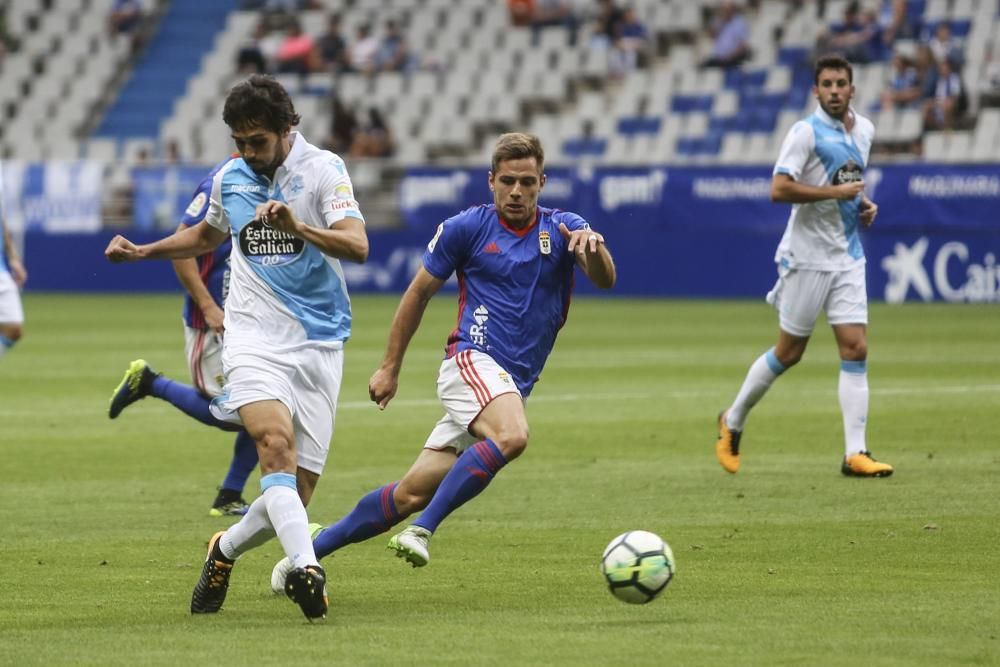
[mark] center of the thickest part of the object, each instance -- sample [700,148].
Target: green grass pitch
[786,563]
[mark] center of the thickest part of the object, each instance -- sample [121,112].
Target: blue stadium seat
[639,125]
[689,103]
[585,147]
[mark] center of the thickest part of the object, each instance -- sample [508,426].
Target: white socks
[288,516]
[253,530]
[761,375]
[278,511]
[853,392]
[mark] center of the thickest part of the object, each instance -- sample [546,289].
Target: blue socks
[188,400]
[472,472]
[243,463]
[374,514]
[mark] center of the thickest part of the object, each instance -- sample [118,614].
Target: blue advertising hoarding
[675,232]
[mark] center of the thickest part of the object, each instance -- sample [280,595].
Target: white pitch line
[632,396]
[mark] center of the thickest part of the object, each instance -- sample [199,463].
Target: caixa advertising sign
[939,267]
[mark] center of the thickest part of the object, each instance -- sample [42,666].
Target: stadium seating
[479,76]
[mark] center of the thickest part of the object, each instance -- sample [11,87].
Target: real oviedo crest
[544,243]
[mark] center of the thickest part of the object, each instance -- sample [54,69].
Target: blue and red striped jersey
[514,285]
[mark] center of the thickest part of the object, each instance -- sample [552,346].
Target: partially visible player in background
[821,264]
[12,278]
[515,263]
[290,210]
[206,280]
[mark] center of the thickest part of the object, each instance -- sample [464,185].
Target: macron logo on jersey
[245,187]
[492,248]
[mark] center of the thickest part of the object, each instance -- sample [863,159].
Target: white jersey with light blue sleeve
[285,294]
[819,151]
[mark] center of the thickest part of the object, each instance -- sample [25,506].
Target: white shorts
[800,295]
[466,384]
[204,356]
[10,300]
[307,381]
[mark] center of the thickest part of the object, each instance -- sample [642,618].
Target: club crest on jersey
[265,246]
[544,243]
[849,173]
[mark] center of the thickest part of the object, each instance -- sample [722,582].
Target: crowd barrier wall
[690,232]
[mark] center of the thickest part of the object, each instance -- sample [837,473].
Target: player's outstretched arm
[189,242]
[786,190]
[384,382]
[17,270]
[592,255]
[345,239]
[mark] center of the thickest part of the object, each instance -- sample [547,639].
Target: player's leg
[10,333]
[847,311]
[11,313]
[798,296]
[383,508]
[204,354]
[479,395]
[229,499]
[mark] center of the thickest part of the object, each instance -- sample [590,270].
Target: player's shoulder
[803,129]
[557,215]
[864,124]
[316,160]
[473,217]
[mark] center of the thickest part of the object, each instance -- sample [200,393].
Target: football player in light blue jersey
[12,278]
[206,281]
[290,211]
[515,263]
[821,264]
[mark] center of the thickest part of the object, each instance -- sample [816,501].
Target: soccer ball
[638,565]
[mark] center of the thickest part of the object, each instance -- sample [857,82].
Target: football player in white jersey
[12,278]
[821,264]
[291,212]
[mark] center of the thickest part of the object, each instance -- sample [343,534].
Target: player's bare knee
[512,442]
[12,332]
[854,351]
[789,358]
[409,501]
[276,449]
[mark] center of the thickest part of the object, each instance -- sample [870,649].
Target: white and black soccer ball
[637,566]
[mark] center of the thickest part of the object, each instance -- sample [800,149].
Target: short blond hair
[517,146]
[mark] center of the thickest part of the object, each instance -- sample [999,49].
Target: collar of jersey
[830,120]
[519,232]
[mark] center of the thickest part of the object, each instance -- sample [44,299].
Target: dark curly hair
[834,61]
[260,101]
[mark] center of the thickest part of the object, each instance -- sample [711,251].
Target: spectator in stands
[521,12]
[250,58]
[905,86]
[374,139]
[553,14]
[332,46]
[731,34]
[950,100]
[361,54]
[393,54]
[629,47]
[607,24]
[125,16]
[858,37]
[297,53]
[343,128]
[893,21]
[125,19]
[944,46]
[172,152]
